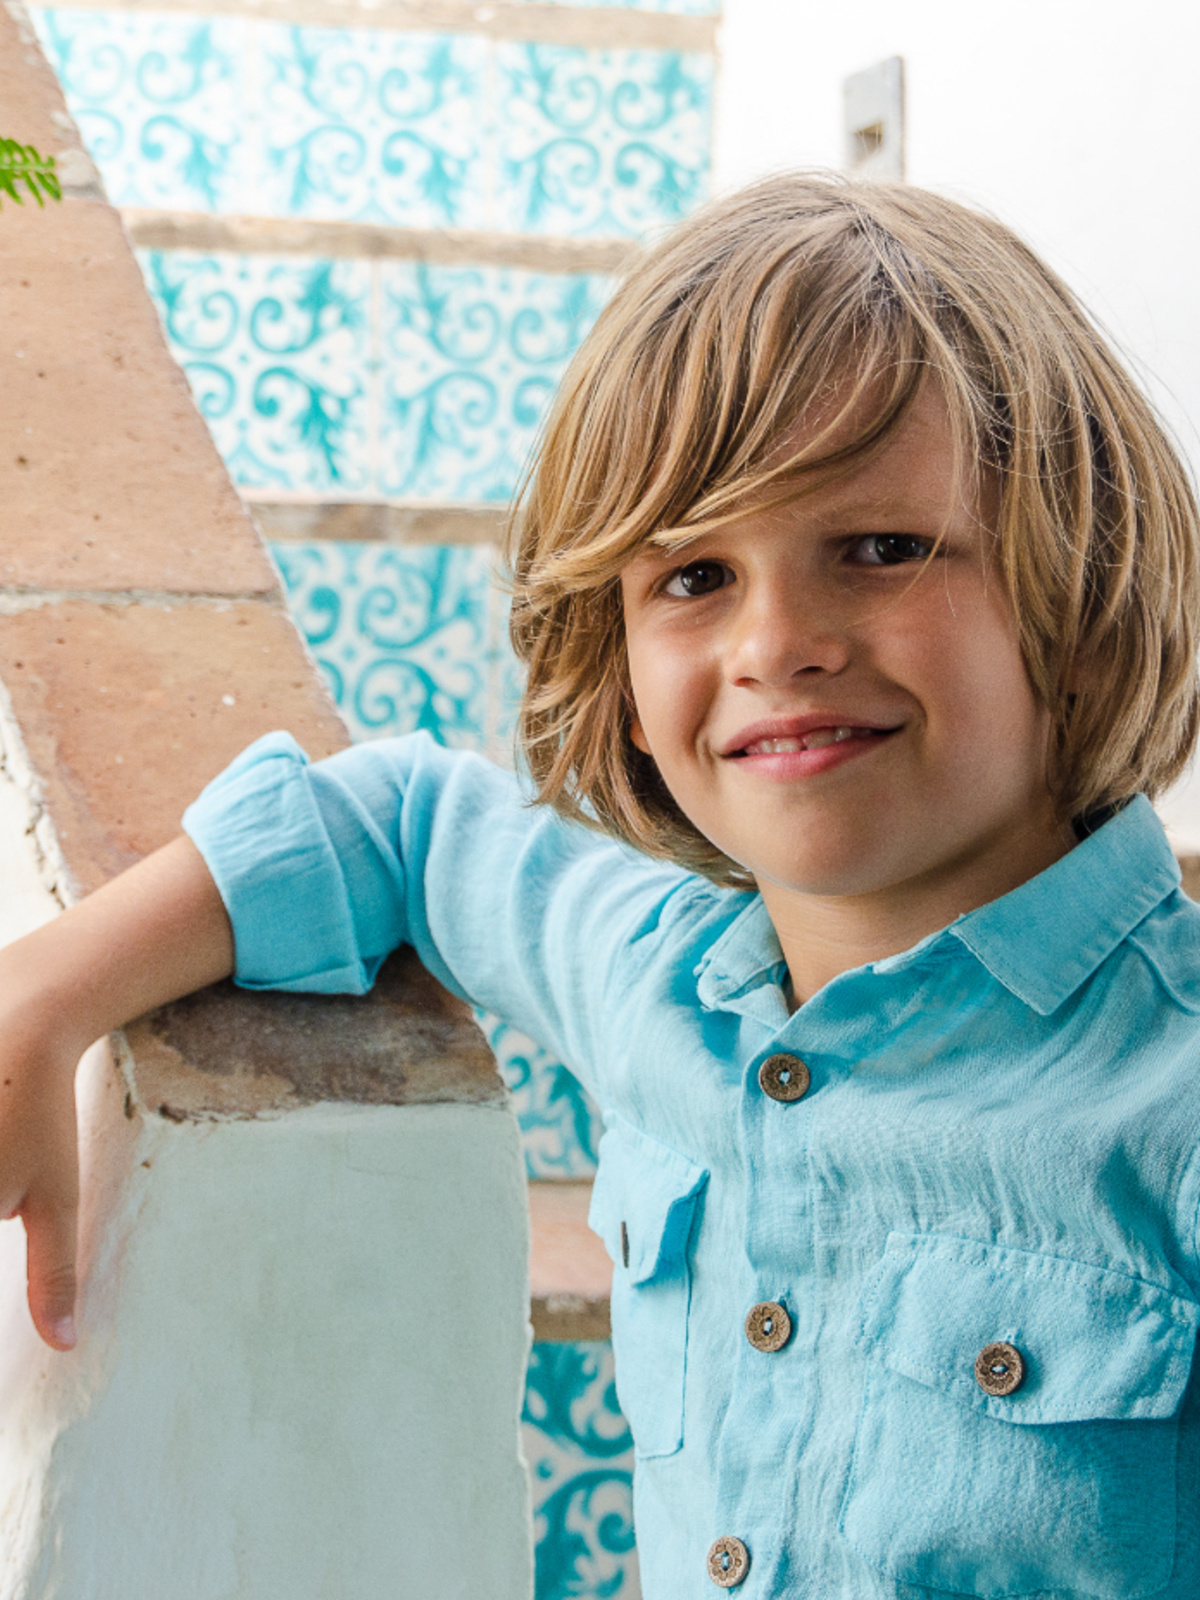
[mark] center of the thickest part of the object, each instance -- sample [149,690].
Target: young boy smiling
[791,645]
[857,587]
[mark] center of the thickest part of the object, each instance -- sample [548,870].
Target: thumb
[50,1230]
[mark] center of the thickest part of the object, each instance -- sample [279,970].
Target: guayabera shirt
[996,1147]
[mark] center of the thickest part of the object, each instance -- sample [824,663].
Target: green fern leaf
[21,164]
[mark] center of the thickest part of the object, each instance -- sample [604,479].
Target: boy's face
[836,715]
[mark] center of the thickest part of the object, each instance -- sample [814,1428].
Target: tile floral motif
[402,634]
[277,354]
[470,359]
[580,1459]
[305,386]
[560,1125]
[159,100]
[373,126]
[238,114]
[598,142]
[408,637]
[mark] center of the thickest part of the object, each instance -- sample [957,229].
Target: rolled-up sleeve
[269,845]
[325,868]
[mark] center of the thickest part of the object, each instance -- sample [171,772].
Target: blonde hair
[719,341]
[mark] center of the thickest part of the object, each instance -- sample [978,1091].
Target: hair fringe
[720,342]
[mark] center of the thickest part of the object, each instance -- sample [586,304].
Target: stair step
[570,1275]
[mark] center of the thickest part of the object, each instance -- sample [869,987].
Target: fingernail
[64,1331]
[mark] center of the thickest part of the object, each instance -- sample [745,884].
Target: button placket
[784,1077]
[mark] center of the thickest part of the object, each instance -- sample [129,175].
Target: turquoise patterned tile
[580,1457]
[470,358]
[560,1126]
[374,126]
[401,633]
[408,636]
[277,353]
[601,142]
[159,101]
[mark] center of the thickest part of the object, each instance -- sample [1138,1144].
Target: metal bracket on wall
[873,120]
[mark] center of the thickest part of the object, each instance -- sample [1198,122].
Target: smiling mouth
[818,739]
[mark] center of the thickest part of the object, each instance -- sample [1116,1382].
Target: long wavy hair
[721,341]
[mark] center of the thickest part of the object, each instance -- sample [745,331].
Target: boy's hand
[158,931]
[40,1165]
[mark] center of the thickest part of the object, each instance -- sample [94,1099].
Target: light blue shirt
[998,1144]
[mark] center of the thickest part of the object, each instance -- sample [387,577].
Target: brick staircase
[374,235]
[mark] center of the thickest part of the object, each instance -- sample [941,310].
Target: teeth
[775,747]
[817,740]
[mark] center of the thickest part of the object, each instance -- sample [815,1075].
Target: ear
[638,736]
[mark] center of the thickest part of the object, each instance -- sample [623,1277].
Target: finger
[50,1230]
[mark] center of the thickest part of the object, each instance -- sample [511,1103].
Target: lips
[785,736]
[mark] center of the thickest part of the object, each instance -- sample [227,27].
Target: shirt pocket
[1066,1485]
[644,1206]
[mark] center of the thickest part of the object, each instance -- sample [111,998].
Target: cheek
[662,682]
[648,669]
[985,689]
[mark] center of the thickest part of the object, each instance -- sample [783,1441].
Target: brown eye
[698,578]
[891,549]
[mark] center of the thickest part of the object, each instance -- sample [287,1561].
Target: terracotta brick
[128,710]
[31,101]
[568,1258]
[110,486]
[109,478]
[570,1274]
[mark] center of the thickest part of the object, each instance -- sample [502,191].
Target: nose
[786,631]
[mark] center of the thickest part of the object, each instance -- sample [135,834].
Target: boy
[857,587]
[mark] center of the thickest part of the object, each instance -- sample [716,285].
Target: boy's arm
[156,932]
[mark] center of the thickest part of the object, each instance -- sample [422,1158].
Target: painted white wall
[299,1373]
[25,901]
[33,878]
[302,1344]
[1073,120]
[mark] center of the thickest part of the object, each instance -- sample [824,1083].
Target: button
[728,1562]
[999,1368]
[768,1326]
[784,1078]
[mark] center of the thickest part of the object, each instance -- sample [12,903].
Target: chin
[829,877]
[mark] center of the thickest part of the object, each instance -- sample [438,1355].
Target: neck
[824,935]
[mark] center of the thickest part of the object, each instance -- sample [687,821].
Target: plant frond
[22,164]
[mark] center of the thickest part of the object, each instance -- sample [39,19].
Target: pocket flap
[643,1200]
[1094,1342]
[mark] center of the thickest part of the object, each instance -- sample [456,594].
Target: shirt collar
[1041,940]
[740,960]
[1044,939]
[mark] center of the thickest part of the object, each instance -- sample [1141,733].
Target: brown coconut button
[999,1369]
[768,1326]
[784,1078]
[728,1562]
